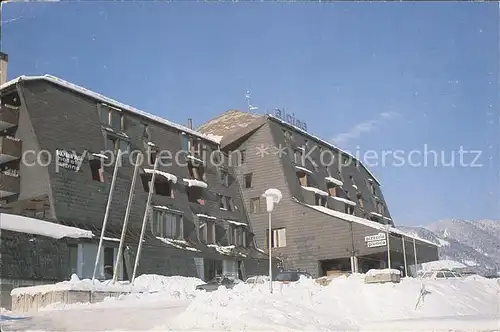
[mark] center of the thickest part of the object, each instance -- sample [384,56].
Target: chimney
[190,123]
[3,67]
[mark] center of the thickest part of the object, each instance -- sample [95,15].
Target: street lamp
[273,196]
[387,229]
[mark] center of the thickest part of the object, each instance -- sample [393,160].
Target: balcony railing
[10,149]
[9,117]
[10,183]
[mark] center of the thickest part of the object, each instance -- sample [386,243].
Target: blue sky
[370,76]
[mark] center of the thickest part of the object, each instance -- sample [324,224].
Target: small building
[58,147]
[333,216]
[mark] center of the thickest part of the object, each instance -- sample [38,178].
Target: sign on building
[378,240]
[377,237]
[378,243]
[69,160]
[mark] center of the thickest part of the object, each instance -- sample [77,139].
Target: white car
[442,274]
[257,280]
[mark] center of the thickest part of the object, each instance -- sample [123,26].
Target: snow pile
[159,289]
[442,264]
[347,303]
[82,285]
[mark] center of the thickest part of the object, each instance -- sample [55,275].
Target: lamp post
[273,196]
[387,229]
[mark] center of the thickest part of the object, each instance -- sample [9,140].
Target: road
[137,318]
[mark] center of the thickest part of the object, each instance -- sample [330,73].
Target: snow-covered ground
[346,304]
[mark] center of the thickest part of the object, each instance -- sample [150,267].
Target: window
[114,144]
[162,186]
[302,178]
[73,259]
[361,203]
[278,238]
[288,135]
[297,157]
[167,224]
[237,236]
[109,257]
[194,145]
[248,180]
[224,178]
[242,157]
[349,209]
[226,203]
[332,189]
[255,205]
[196,172]
[440,275]
[449,274]
[319,200]
[96,170]
[112,117]
[116,120]
[372,187]
[220,198]
[195,195]
[380,208]
[185,143]
[123,146]
[207,231]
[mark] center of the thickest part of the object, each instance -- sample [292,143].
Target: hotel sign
[290,118]
[69,160]
[374,244]
[378,240]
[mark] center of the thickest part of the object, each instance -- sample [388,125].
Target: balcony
[10,149]
[9,117]
[9,184]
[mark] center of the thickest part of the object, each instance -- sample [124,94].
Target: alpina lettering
[290,118]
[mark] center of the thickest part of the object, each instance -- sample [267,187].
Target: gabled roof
[111,102]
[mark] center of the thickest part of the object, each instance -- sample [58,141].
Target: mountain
[475,244]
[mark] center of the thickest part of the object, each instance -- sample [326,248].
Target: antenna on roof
[251,108]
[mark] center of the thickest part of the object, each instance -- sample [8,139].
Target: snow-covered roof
[316,190]
[194,158]
[195,183]
[201,215]
[334,181]
[168,176]
[100,155]
[344,200]
[365,222]
[21,224]
[303,169]
[376,214]
[179,244]
[236,223]
[112,102]
[330,145]
[375,272]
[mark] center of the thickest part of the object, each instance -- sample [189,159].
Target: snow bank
[28,225]
[82,285]
[345,304]
[157,289]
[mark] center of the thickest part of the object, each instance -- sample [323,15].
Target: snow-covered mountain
[475,244]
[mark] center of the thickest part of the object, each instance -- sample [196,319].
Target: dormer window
[320,200]
[196,172]
[112,117]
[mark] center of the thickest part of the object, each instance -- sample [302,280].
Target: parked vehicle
[217,282]
[442,274]
[257,280]
[291,276]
